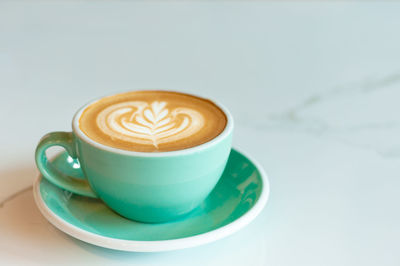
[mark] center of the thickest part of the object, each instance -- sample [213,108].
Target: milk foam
[149,123]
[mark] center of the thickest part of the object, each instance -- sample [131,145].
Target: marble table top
[314,89]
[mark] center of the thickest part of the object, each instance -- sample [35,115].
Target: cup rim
[82,136]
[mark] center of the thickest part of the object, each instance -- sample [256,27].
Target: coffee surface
[152,121]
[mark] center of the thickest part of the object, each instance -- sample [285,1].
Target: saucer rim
[157,245]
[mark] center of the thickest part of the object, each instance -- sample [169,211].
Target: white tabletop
[314,89]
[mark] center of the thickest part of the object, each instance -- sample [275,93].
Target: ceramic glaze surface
[153,189]
[237,192]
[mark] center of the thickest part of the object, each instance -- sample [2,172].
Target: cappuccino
[152,121]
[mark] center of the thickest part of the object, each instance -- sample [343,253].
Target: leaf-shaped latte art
[149,123]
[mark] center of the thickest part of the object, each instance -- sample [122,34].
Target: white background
[314,89]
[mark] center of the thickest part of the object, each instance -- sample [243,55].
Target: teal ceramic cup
[142,186]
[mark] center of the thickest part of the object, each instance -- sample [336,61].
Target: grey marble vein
[294,119]
[14,196]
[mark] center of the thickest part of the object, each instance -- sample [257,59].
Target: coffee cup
[156,156]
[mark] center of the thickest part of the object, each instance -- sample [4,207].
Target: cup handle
[62,180]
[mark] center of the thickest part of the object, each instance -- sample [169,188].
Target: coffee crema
[152,121]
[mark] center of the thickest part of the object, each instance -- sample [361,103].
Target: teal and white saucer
[238,198]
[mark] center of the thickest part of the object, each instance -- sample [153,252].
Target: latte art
[152,121]
[149,123]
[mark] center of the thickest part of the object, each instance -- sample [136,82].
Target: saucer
[237,199]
